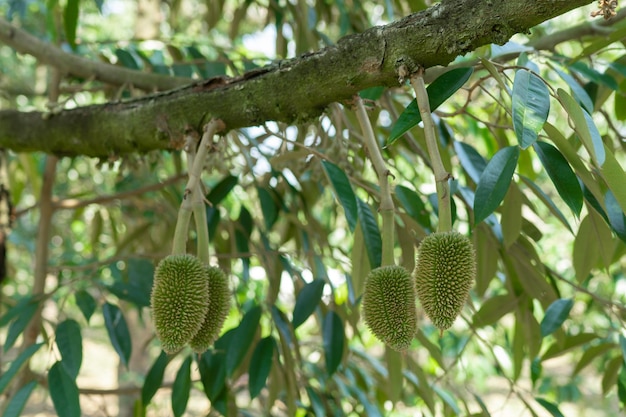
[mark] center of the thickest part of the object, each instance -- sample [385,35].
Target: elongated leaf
[260,365]
[413,205]
[307,301]
[584,126]
[571,342]
[611,370]
[16,405]
[371,233]
[551,407]
[212,366]
[592,353]
[118,331]
[17,364]
[343,191]
[438,92]
[616,216]
[70,344]
[615,178]
[268,207]
[555,315]
[242,339]
[471,161]
[181,388]
[511,219]
[594,75]
[531,105]
[154,379]
[545,199]
[561,174]
[25,313]
[494,309]
[494,182]
[579,92]
[70,21]
[63,391]
[86,303]
[222,189]
[622,345]
[333,336]
[592,243]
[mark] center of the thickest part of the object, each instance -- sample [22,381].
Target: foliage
[530,132]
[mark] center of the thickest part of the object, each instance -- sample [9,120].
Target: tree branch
[291,91]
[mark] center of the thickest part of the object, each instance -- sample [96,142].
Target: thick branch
[291,91]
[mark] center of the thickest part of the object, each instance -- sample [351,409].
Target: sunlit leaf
[438,92]
[18,401]
[344,192]
[561,174]
[307,301]
[154,379]
[371,233]
[260,365]
[494,182]
[17,364]
[333,336]
[531,105]
[70,344]
[63,391]
[117,329]
[242,339]
[555,315]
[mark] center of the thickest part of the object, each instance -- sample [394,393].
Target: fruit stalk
[386,202]
[441,175]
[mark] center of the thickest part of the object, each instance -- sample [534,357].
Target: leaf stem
[386,202]
[441,175]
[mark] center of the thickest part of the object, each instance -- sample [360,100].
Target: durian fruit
[444,272]
[180,300]
[219,305]
[389,306]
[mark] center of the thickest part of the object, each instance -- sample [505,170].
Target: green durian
[389,306]
[219,305]
[180,300]
[444,273]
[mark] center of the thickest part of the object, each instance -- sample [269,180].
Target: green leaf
[212,366]
[562,175]
[371,233]
[154,379]
[592,353]
[181,388]
[593,242]
[438,92]
[268,207]
[555,315]
[494,182]
[531,105]
[579,92]
[343,191]
[63,391]
[584,126]
[86,303]
[471,161]
[118,331]
[17,364]
[70,344]
[222,189]
[16,405]
[494,309]
[70,21]
[135,284]
[594,75]
[360,262]
[511,219]
[616,216]
[611,370]
[448,399]
[308,299]
[333,336]
[25,312]
[545,199]
[414,206]
[260,365]
[551,407]
[615,178]
[242,340]
[622,345]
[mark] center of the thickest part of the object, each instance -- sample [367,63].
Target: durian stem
[202,228]
[196,169]
[179,245]
[441,175]
[386,202]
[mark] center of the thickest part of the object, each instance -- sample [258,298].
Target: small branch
[386,202]
[67,63]
[441,175]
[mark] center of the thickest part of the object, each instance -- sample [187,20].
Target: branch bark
[291,91]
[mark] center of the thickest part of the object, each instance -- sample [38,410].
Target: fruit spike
[180,299]
[389,306]
[219,305]
[444,272]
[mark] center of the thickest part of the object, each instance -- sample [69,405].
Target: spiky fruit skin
[389,306]
[180,299]
[444,273]
[219,305]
